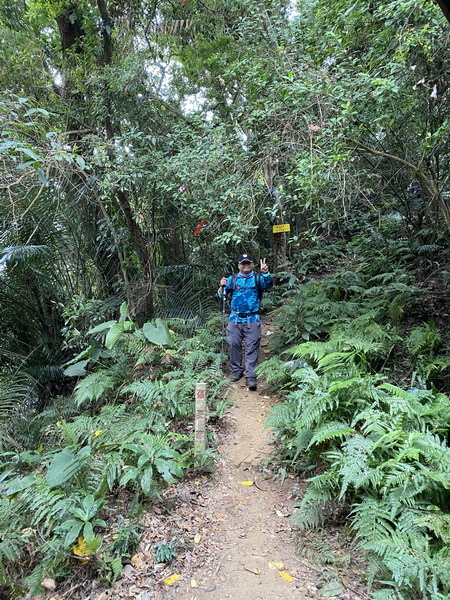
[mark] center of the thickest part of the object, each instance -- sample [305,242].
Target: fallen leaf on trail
[255,571]
[262,485]
[277,566]
[171,579]
[194,584]
[246,482]
[138,561]
[197,538]
[286,576]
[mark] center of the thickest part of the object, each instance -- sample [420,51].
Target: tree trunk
[71,32]
[279,239]
[143,305]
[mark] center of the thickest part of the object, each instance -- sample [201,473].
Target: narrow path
[251,532]
[234,531]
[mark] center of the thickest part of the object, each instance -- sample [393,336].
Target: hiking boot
[235,377]
[251,383]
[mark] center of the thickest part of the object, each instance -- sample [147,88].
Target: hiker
[244,323]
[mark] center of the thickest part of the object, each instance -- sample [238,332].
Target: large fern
[93,386]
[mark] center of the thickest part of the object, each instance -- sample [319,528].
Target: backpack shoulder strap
[233,282]
[258,284]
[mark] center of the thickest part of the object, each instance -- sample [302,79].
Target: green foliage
[107,170]
[149,462]
[84,521]
[66,465]
[165,552]
[90,446]
[372,444]
[423,340]
[16,390]
[92,387]
[126,537]
[110,567]
[158,333]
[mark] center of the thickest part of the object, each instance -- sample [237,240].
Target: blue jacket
[245,299]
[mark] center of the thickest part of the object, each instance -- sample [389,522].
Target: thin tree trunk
[279,239]
[144,305]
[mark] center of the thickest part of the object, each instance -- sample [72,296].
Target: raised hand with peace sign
[263,266]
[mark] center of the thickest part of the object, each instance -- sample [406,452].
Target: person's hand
[263,267]
[223,282]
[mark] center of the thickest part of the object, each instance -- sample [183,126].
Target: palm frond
[18,254]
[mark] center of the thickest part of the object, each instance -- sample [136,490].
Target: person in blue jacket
[244,323]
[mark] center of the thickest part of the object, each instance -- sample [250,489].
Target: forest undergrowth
[78,475]
[144,146]
[360,359]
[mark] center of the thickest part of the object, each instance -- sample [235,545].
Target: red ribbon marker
[199,227]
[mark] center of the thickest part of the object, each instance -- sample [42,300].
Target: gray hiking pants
[250,334]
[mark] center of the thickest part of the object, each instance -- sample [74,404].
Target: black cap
[245,257]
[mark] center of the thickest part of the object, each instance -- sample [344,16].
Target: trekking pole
[222,352]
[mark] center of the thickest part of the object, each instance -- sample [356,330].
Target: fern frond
[145,389]
[311,350]
[11,548]
[314,505]
[372,520]
[354,468]
[372,422]
[79,431]
[318,403]
[92,387]
[329,431]
[199,359]
[18,254]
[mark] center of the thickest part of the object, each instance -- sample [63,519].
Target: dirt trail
[236,541]
[253,530]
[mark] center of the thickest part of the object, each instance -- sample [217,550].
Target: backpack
[257,282]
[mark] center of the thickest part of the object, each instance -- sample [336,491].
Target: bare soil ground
[234,531]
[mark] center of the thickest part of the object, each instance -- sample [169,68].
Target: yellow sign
[281,228]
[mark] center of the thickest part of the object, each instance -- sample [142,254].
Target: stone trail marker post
[200,417]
